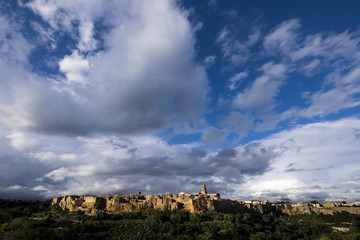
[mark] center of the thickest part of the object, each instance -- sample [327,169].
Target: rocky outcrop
[200,202]
[320,208]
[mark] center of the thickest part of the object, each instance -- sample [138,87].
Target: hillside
[38,220]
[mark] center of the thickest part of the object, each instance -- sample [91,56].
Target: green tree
[259,236]
[355,225]
[194,218]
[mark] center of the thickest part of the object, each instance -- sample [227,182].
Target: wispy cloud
[258,98]
[326,150]
[236,79]
[234,50]
[283,38]
[333,57]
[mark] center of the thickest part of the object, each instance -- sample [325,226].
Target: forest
[39,220]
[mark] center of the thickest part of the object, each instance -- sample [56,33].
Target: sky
[255,99]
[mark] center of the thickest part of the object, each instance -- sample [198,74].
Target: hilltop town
[199,202]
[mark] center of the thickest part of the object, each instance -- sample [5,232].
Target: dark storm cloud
[52,112]
[223,158]
[252,159]
[156,160]
[212,186]
[274,196]
[304,196]
[15,172]
[306,169]
[198,152]
[226,154]
[18,177]
[317,196]
[144,81]
[256,158]
[154,166]
[20,194]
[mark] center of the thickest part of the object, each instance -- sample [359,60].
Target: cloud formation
[145,80]
[332,57]
[95,97]
[314,162]
[213,136]
[86,165]
[298,164]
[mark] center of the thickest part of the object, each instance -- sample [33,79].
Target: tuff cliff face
[200,202]
[136,202]
[320,208]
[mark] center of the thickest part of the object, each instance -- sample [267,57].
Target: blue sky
[255,99]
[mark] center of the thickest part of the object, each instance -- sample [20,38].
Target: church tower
[203,189]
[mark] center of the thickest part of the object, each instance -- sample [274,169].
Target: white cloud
[330,46]
[259,96]
[316,160]
[21,140]
[44,8]
[342,85]
[235,51]
[51,157]
[236,79]
[59,174]
[274,70]
[144,81]
[61,14]
[334,54]
[282,38]
[40,188]
[312,46]
[310,67]
[75,67]
[342,95]
[16,187]
[252,97]
[353,77]
[14,48]
[332,49]
[209,60]
[87,41]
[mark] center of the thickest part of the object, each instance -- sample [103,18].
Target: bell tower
[203,189]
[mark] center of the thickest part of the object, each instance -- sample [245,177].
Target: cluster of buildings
[199,202]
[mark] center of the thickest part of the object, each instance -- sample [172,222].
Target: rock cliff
[200,202]
[321,208]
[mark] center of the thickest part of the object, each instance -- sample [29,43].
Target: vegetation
[37,220]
